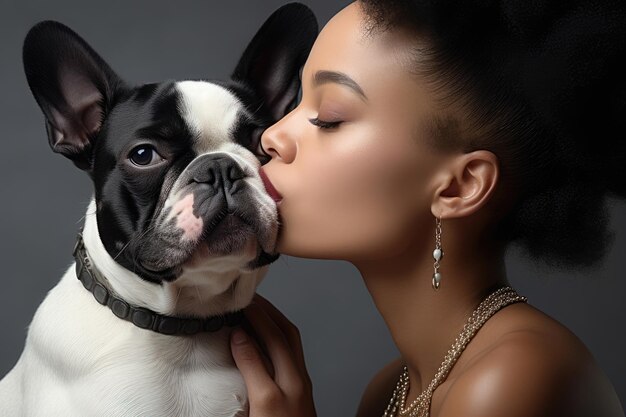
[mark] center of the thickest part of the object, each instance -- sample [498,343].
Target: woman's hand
[273,365]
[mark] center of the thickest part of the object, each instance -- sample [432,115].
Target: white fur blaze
[211,111]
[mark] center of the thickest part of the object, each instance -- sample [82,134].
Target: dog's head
[174,164]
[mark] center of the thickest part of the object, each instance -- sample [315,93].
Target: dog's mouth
[229,234]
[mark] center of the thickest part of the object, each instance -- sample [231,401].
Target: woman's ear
[468,183]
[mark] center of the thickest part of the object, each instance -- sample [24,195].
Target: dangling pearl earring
[437,254]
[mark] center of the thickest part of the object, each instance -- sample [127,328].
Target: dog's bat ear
[272,61]
[73,86]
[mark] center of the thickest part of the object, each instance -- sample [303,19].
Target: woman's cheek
[321,222]
[350,215]
[348,197]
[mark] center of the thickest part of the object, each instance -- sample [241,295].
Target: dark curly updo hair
[542,85]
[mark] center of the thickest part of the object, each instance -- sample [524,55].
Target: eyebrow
[324,77]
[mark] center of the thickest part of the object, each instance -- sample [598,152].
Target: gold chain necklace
[420,407]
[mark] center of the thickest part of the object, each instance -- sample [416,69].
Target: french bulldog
[178,234]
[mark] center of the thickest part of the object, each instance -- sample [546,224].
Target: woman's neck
[423,322]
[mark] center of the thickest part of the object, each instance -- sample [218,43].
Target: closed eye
[322,124]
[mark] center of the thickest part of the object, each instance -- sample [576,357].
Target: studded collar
[143,317]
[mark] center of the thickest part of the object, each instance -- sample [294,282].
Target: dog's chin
[241,251]
[156,273]
[235,238]
[230,245]
[205,254]
[201,256]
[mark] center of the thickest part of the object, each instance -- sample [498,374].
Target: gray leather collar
[143,317]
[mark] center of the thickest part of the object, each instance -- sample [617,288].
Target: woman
[428,138]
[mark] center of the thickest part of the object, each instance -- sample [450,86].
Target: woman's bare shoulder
[379,390]
[537,368]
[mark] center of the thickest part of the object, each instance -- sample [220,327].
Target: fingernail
[239,337]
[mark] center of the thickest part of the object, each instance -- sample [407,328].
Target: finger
[245,325]
[288,373]
[287,327]
[248,359]
[290,329]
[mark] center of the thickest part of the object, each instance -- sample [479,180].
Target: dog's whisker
[177,296]
[122,250]
[149,229]
[87,213]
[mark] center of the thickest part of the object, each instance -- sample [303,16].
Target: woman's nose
[277,140]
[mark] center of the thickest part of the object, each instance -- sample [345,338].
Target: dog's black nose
[218,170]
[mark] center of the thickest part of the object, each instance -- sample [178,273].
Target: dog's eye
[144,155]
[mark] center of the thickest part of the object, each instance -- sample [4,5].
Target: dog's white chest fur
[81,360]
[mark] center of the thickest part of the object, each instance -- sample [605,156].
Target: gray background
[44,198]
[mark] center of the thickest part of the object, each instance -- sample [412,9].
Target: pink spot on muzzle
[185,220]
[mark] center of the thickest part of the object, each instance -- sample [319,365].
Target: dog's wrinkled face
[175,165]
[173,178]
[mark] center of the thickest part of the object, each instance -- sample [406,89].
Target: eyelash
[322,124]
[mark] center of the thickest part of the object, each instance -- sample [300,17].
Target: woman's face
[354,173]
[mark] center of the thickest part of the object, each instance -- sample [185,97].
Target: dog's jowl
[178,234]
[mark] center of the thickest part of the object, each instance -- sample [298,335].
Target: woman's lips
[269,187]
